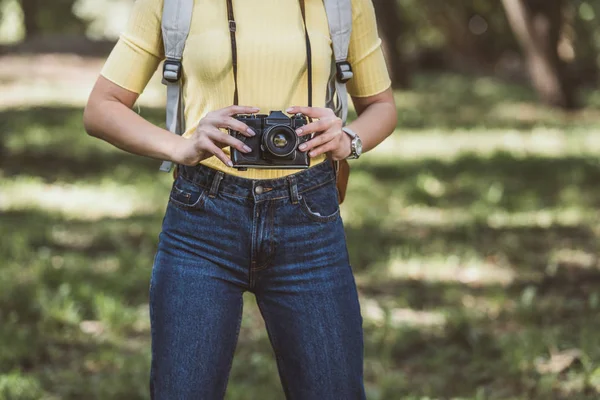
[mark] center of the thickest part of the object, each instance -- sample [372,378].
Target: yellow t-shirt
[272,67]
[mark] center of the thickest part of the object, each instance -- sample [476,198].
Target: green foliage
[476,34]
[57,17]
[473,233]
[18,387]
[438,24]
[587,32]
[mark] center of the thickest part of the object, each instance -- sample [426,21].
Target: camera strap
[234,61]
[232,29]
[308,52]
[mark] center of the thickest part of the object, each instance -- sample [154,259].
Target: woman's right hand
[208,139]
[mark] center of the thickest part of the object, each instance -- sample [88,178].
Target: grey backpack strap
[176,21]
[339,16]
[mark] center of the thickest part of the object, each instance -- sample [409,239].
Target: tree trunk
[32,27]
[390,28]
[537,25]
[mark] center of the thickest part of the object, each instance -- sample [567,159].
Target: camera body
[275,145]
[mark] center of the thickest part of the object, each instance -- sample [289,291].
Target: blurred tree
[585,31]
[470,36]
[41,17]
[537,25]
[392,27]
[30,20]
[464,43]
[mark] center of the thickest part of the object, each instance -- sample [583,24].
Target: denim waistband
[259,189]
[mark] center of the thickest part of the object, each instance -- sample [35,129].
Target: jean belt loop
[214,188]
[293,189]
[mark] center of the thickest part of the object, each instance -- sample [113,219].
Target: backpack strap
[339,16]
[176,21]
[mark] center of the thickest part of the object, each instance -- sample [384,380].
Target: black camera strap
[308,53]
[232,31]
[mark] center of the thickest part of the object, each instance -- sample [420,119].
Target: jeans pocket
[321,204]
[187,195]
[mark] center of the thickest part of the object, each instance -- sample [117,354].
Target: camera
[275,144]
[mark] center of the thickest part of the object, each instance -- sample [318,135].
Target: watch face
[358,146]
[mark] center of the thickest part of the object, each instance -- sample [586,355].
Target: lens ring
[272,132]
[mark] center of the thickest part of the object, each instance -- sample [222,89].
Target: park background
[473,230]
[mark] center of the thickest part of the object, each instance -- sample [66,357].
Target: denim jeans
[281,239]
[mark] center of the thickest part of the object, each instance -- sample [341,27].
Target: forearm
[116,123]
[376,120]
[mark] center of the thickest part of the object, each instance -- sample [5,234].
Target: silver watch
[356,144]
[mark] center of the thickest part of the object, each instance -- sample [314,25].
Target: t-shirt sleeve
[371,76]
[139,50]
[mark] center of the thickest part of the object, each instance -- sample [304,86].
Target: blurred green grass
[473,233]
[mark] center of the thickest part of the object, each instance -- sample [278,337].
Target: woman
[274,232]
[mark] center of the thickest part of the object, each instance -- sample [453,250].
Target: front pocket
[186,195]
[321,204]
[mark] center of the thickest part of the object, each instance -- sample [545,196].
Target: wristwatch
[356,144]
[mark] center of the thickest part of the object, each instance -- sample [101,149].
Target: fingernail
[247,149]
[302,147]
[299,131]
[311,154]
[289,110]
[229,163]
[250,131]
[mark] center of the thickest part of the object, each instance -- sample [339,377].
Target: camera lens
[280,140]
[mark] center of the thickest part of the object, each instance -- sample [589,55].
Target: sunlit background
[473,230]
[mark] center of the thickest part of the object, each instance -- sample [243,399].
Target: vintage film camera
[275,144]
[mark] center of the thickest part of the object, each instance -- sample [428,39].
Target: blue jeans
[281,239]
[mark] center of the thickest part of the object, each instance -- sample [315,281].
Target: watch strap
[350,132]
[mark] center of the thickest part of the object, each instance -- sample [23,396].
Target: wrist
[355,143]
[347,146]
[175,149]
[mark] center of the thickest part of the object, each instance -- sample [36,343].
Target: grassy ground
[473,234]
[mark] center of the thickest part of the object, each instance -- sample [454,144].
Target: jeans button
[258,190]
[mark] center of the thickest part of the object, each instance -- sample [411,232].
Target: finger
[317,126]
[235,125]
[329,146]
[220,154]
[317,141]
[220,121]
[232,110]
[313,112]
[228,140]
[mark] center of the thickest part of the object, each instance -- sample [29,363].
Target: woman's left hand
[329,135]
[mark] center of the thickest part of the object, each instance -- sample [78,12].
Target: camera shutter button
[258,190]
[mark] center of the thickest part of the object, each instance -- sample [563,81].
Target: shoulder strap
[339,16]
[176,20]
